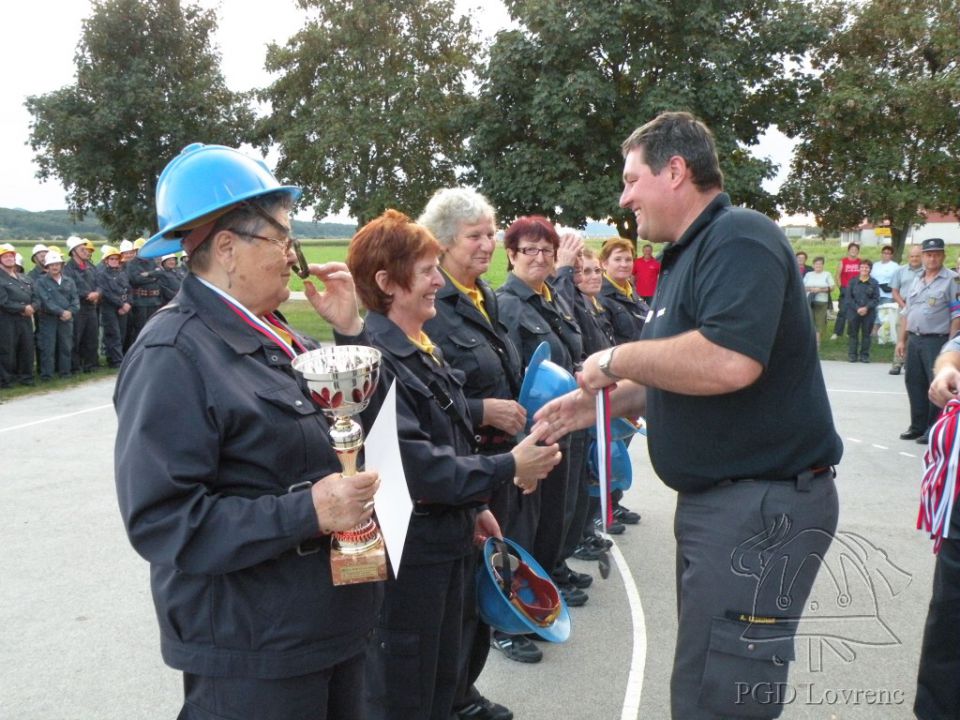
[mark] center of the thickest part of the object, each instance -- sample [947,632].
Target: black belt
[934,335]
[802,479]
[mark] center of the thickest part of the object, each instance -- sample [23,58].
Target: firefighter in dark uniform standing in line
[59,303]
[18,305]
[86,325]
[932,316]
[115,306]
[144,274]
[170,278]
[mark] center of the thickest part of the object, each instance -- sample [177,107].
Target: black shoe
[923,439]
[563,575]
[865,360]
[851,359]
[483,709]
[894,371]
[614,528]
[583,551]
[598,542]
[573,597]
[625,515]
[516,647]
[910,434]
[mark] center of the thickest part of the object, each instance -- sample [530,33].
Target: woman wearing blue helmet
[226,478]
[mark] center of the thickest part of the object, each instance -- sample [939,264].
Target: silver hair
[449,208]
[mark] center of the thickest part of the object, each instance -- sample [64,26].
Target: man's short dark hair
[886,248]
[678,133]
[866,261]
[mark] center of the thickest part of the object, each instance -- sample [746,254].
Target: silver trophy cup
[342,379]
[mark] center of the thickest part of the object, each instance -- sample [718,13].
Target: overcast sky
[40,37]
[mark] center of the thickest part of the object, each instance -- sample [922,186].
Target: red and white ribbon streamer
[255,323]
[603,456]
[939,489]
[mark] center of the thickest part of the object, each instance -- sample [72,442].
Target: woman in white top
[819,284]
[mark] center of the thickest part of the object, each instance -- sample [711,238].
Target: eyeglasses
[589,271]
[301,267]
[531,251]
[284,244]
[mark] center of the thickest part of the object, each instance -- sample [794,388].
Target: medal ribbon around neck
[258,324]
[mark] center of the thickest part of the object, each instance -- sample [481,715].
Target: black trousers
[578,500]
[922,351]
[114,329]
[56,343]
[16,350]
[86,336]
[861,327]
[335,693]
[413,665]
[137,319]
[938,692]
[840,324]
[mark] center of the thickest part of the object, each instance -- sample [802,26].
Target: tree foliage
[559,95]
[882,120]
[147,84]
[364,109]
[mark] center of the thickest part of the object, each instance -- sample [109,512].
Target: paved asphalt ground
[79,640]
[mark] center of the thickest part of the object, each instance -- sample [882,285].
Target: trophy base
[367,566]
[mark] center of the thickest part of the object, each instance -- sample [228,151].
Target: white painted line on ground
[54,418]
[906,454]
[631,699]
[854,440]
[880,447]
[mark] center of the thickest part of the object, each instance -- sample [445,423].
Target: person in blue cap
[931,317]
[226,477]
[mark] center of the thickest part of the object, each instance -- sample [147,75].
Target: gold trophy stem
[357,555]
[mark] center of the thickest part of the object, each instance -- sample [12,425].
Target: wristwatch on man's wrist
[605,361]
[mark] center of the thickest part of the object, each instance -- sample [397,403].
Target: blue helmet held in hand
[516,596]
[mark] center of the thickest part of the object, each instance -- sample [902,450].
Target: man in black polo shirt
[727,374]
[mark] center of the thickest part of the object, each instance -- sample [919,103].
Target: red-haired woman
[413,666]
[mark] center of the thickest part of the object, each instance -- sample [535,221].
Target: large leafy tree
[147,84]
[364,108]
[881,123]
[559,95]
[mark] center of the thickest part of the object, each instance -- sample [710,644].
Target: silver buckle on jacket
[313,545]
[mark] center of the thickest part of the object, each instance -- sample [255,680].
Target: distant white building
[938,225]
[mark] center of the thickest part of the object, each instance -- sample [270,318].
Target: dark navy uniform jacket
[593,319]
[626,314]
[86,278]
[215,427]
[16,293]
[447,480]
[57,297]
[115,286]
[531,320]
[478,348]
[144,274]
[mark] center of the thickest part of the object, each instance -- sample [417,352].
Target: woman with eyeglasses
[226,477]
[534,312]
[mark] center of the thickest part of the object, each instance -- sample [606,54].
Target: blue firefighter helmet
[621,471]
[543,382]
[516,596]
[200,182]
